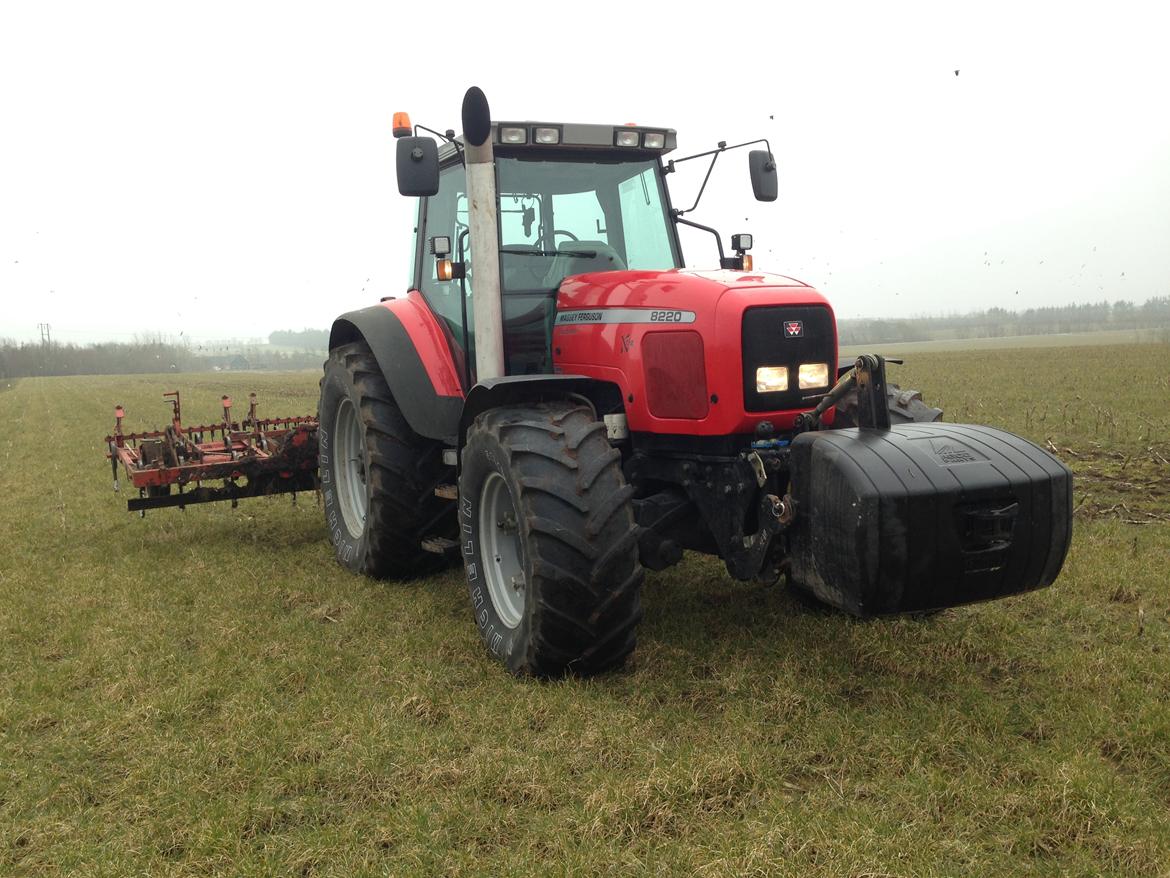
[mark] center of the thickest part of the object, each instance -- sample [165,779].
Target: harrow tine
[227,427]
[176,412]
[119,413]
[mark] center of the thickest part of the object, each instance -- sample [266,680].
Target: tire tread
[582,544]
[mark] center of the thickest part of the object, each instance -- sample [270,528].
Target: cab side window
[647,241]
[446,214]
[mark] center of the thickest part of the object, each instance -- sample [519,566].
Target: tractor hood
[674,288]
[683,347]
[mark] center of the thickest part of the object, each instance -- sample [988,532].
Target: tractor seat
[564,264]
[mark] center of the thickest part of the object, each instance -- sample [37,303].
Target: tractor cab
[573,200]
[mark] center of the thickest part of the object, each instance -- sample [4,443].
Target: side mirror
[418,166]
[764,176]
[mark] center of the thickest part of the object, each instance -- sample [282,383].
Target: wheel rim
[500,540]
[350,458]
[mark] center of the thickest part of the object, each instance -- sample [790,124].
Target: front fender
[602,396]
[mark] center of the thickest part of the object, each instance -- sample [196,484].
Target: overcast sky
[226,169]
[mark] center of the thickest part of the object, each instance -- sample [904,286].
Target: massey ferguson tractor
[561,405]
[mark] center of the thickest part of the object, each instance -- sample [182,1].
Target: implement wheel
[549,542]
[378,477]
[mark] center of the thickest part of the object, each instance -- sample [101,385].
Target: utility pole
[46,346]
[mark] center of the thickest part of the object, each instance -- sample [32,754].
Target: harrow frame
[273,455]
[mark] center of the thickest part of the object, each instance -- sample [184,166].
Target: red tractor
[563,405]
[560,404]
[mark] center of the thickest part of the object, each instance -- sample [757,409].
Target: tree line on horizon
[305,348]
[28,359]
[1154,313]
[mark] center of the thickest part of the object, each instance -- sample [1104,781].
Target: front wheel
[549,543]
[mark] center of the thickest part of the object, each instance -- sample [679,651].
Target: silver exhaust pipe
[484,233]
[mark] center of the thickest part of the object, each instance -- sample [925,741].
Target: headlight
[772,379]
[626,137]
[653,140]
[547,135]
[513,135]
[813,375]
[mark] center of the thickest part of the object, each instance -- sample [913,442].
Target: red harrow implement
[272,455]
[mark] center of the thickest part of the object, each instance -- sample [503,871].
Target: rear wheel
[549,542]
[378,477]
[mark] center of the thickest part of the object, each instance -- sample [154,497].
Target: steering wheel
[540,244]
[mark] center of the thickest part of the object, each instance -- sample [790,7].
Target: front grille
[767,342]
[676,374]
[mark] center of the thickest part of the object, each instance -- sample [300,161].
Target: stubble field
[207,692]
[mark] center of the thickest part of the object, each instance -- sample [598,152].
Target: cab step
[439,545]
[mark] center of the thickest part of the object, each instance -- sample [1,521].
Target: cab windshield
[559,218]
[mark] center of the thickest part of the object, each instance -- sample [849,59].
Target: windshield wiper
[581,254]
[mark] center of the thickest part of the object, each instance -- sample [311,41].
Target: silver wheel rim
[350,458]
[500,540]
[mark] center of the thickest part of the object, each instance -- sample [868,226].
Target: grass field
[208,692]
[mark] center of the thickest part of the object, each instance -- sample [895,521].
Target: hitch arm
[868,375]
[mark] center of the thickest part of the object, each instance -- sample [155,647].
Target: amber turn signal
[445,269]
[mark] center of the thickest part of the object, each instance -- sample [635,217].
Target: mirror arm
[676,215]
[702,188]
[719,150]
[722,147]
[450,138]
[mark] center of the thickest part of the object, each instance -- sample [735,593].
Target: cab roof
[573,136]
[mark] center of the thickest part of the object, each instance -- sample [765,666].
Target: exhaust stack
[485,237]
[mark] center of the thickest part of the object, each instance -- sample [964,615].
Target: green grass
[206,691]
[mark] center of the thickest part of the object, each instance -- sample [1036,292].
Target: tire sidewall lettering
[507,644]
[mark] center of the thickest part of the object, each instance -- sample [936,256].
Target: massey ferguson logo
[793,328]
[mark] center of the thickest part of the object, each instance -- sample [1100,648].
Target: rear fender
[413,354]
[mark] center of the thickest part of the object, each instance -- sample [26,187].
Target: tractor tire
[378,477]
[549,542]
